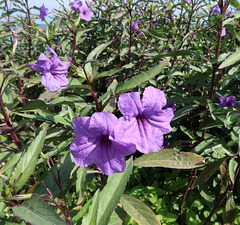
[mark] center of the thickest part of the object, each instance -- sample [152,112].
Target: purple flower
[135,25]
[69,57]
[85,13]
[187,1]
[144,122]
[75,5]
[216,9]
[223,32]
[95,143]
[43,12]
[226,101]
[53,71]
[58,44]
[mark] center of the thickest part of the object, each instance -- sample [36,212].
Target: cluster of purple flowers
[105,140]
[53,71]
[43,12]
[84,11]
[227,102]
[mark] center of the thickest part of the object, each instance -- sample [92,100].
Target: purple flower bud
[43,12]
[216,9]
[135,25]
[223,32]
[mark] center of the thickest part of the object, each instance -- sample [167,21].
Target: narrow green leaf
[36,211]
[34,105]
[234,57]
[91,216]
[111,194]
[187,132]
[81,176]
[108,73]
[170,158]
[139,211]
[137,80]
[27,163]
[208,172]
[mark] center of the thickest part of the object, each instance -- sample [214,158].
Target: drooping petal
[44,62]
[62,80]
[138,131]
[130,105]
[103,123]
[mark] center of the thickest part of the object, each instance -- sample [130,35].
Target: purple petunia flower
[216,9]
[231,12]
[227,101]
[85,13]
[53,71]
[135,25]
[43,12]
[75,5]
[144,122]
[95,143]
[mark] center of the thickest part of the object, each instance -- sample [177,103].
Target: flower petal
[49,82]
[153,100]
[36,68]
[130,105]
[103,123]
[44,62]
[146,137]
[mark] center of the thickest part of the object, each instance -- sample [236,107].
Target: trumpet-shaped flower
[144,122]
[43,12]
[53,71]
[95,143]
[227,101]
[85,13]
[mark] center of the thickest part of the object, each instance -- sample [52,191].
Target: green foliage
[178,49]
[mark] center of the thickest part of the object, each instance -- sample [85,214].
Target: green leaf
[63,168]
[27,163]
[170,158]
[91,216]
[232,168]
[81,176]
[108,73]
[111,194]
[137,80]
[208,172]
[118,216]
[234,57]
[139,211]
[34,105]
[187,132]
[155,34]
[36,211]
[230,209]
